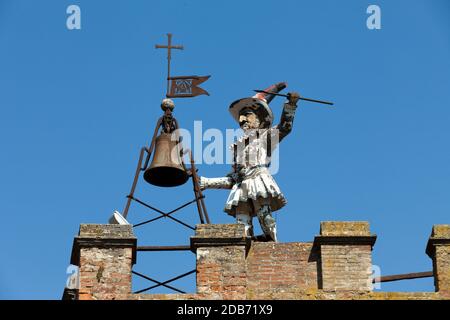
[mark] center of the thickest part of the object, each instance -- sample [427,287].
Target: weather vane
[181,86]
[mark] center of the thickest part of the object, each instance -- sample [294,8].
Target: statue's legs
[267,222]
[246,220]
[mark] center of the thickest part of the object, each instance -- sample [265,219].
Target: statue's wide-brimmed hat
[259,103]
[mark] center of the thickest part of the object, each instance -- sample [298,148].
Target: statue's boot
[267,222]
[246,220]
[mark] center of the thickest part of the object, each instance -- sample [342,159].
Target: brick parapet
[438,249]
[337,265]
[105,255]
[345,255]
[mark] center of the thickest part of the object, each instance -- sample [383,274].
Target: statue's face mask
[248,119]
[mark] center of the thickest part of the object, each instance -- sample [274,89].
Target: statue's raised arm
[287,115]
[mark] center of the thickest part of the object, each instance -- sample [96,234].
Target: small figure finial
[167,104]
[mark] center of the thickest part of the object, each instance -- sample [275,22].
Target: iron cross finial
[169,47]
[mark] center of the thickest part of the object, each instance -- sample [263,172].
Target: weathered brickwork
[219,231]
[105,273]
[438,249]
[443,268]
[337,265]
[345,255]
[344,228]
[346,267]
[221,253]
[221,272]
[105,255]
[281,266]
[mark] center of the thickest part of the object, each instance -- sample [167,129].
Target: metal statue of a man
[254,192]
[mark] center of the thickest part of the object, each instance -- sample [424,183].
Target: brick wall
[221,252]
[337,265]
[438,248]
[345,255]
[281,266]
[105,273]
[105,255]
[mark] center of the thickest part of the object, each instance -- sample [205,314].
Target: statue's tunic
[251,179]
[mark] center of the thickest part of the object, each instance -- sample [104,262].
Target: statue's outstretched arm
[216,183]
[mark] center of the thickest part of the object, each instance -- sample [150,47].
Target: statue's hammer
[301,98]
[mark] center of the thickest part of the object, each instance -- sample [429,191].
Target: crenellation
[337,265]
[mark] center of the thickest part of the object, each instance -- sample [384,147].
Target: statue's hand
[202,183]
[234,176]
[293,98]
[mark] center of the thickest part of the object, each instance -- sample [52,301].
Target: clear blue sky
[76,106]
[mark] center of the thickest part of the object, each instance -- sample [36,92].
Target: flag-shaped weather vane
[181,86]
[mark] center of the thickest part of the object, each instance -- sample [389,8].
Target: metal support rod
[147,221]
[139,166]
[185,205]
[163,216]
[165,282]
[163,248]
[199,209]
[155,281]
[162,213]
[135,180]
[200,204]
[405,276]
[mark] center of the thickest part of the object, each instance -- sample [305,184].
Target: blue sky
[76,106]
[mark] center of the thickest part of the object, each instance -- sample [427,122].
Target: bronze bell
[166,169]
